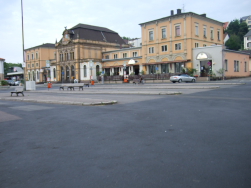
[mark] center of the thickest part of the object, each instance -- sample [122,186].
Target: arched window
[85,73]
[72,71]
[54,73]
[97,70]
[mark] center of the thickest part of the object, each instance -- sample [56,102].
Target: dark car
[11,82]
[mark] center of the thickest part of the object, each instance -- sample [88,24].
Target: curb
[63,102]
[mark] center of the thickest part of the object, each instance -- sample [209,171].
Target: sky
[45,20]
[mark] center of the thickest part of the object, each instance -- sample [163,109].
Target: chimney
[171,12]
[178,11]
[204,15]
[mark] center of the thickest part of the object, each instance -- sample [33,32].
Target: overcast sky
[44,20]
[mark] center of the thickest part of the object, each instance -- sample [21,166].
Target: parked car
[17,83]
[11,82]
[182,78]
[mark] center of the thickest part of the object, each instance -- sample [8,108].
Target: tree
[236,31]
[234,42]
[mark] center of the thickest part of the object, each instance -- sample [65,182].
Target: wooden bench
[71,86]
[137,81]
[86,82]
[19,89]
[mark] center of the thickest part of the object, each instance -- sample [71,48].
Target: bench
[137,81]
[71,86]
[19,89]
[86,82]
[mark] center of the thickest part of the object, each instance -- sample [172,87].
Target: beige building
[36,57]
[79,52]
[167,42]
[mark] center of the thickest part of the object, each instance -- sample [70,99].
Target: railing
[146,77]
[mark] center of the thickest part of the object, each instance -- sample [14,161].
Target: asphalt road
[198,139]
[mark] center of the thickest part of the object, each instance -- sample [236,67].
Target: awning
[164,62]
[15,73]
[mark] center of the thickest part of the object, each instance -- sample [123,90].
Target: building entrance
[205,68]
[136,69]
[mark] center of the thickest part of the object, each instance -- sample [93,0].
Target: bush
[4,82]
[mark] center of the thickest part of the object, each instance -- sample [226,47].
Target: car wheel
[180,81]
[174,82]
[193,80]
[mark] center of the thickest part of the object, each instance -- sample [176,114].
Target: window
[177,67]
[36,55]
[236,66]
[54,72]
[107,57]
[55,55]
[152,69]
[212,33]
[245,66]
[163,31]
[97,70]
[178,46]
[151,50]
[164,48]
[32,65]
[196,45]
[115,56]
[124,55]
[204,45]
[37,75]
[116,71]
[36,64]
[226,65]
[177,30]
[150,35]
[249,44]
[28,65]
[28,57]
[218,34]
[32,56]
[85,72]
[164,68]
[197,29]
[205,31]
[135,54]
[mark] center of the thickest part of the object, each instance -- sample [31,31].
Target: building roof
[247,51]
[248,34]
[46,45]
[180,14]
[2,59]
[94,33]
[92,27]
[244,17]
[225,26]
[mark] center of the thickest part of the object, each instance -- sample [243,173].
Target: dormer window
[67,36]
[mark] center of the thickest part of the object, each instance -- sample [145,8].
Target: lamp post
[124,69]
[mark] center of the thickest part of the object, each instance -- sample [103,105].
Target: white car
[182,78]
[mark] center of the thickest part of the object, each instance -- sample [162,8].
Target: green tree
[234,42]
[236,30]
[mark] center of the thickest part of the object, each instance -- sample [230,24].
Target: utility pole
[23,43]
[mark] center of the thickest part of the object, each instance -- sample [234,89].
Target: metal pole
[23,42]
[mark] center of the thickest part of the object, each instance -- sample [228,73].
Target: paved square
[7,117]
[30,108]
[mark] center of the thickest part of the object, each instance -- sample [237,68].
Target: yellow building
[36,58]
[167,43]
[79,52]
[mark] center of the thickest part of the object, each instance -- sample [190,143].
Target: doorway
[136,69]
[205,68]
